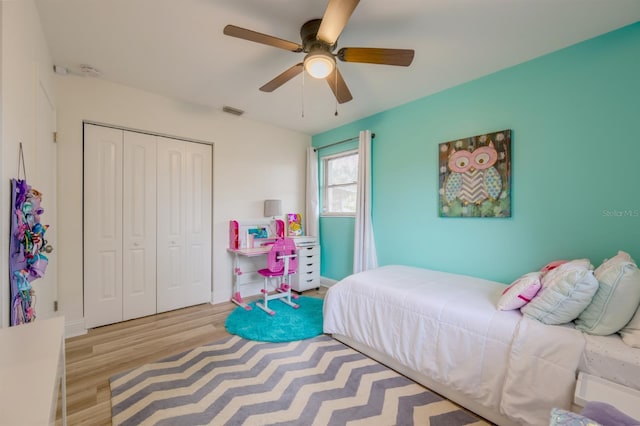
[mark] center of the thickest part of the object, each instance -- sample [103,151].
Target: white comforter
[446,327]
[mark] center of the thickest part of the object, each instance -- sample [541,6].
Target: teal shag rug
[288,324]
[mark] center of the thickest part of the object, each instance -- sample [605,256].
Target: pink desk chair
[282,262]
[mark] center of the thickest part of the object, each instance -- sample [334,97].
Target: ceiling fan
[319,40]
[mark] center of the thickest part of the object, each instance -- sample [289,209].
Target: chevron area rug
[317,381]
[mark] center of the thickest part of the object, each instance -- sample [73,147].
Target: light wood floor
[93,358]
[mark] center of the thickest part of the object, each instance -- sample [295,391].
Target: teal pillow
[617,297]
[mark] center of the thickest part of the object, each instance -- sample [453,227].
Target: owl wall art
[475,176]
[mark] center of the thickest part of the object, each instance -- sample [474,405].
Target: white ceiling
[177,48]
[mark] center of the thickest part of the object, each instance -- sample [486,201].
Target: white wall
[26,63]
[252,162]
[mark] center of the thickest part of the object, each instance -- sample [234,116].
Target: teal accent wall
[339,248]
[575,121]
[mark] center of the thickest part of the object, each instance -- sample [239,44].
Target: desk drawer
[309,273]
[309,250]
[310,263]
[305,281]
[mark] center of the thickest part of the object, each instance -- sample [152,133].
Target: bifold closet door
[119,225]
[139,226]
[199,217]
[184,224]
[102,225]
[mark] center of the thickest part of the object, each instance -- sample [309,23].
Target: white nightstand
[308,275]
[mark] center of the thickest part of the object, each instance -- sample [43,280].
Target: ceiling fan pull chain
[335,72]
[302,100]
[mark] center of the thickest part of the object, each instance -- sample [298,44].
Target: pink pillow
[520,292]
[552,265]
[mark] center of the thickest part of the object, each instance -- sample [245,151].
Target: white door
[139,226]
[184,224]
[172,257]
[198,226]
[102,225]
[44,180]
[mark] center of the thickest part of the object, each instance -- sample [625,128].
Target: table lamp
[272,208]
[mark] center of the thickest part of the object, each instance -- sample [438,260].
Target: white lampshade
[319,64]
[272,208]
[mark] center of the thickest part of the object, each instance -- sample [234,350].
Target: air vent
[232,110]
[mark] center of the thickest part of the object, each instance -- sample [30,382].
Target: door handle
[48,248]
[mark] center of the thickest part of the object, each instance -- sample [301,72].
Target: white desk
[31,367]
[236,297]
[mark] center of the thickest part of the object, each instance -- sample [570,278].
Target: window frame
[325,183]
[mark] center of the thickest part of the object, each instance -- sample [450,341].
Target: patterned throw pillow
[520,292]
[552,265]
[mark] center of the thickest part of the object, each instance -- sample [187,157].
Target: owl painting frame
[475,176]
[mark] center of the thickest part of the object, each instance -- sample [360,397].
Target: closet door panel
[102,225]
[198,226]
[172,267]
[139,225]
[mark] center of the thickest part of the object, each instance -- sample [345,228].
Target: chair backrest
[283,249]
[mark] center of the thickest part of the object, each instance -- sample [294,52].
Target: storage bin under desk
[308,274]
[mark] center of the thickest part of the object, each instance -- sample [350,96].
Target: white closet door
[102,225]
[198,226]
[172,253]
[139,226]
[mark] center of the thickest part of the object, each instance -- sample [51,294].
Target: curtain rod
[373,135]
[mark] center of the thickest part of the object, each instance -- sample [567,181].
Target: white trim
[147,132]
[325,184]
[327,282]
[74,328]
[352,215]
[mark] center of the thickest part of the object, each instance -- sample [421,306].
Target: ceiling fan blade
[283,78]
[243,33]
[371,55]
[340,90]
[335,18]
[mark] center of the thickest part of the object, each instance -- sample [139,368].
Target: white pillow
[565,292]
[614,263]
[631,332]
[520,292]
[617,297]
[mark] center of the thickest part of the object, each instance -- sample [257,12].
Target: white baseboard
[74,328]
[327,282]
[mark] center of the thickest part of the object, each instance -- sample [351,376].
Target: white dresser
[308,275]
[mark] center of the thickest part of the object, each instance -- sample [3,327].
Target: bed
[443,330]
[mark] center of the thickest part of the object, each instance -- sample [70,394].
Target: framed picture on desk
[294,224]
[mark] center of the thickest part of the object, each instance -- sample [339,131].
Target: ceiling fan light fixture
[319,64]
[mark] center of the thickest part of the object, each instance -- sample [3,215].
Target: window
[340,182]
